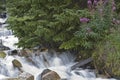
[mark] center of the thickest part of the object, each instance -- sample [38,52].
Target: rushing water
[59,63]
[35,64]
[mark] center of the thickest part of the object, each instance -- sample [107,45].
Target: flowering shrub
[84,20]
[99,25]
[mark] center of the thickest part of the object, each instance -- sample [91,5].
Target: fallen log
[81,63]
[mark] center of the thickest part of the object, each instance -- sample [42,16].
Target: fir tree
[46,22]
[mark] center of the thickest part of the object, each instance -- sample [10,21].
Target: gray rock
[2,47]
[14,52]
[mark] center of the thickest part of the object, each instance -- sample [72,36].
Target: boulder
[2,54]
[6,48]
[26,76]
[49,75]
[14,52]
[45,71]
[2,47]
[16,63]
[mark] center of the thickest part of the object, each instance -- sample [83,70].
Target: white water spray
[37,65]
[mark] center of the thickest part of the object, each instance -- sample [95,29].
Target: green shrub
[107,55]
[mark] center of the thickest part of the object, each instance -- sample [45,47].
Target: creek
[58,62]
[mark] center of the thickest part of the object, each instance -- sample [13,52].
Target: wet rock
[43,73]
[49,75]
[23,53]
[22,76]
[82,63]
[44,49]
[16,63]
[26,76]
[2,47]
[6,48]
[14,52]
[2,54]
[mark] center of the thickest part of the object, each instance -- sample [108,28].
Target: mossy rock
[2,54]
[107,56]
[16,63]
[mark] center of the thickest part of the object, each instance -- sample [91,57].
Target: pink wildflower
[84,20]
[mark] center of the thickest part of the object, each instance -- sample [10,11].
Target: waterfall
[36,63]
[6,67]
[59,63]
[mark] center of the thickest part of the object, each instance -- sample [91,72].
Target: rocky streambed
[24,65]
[17,64]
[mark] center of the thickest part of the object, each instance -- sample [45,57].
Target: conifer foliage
[45,22]
[2,8]
[60,24]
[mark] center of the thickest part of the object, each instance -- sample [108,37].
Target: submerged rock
[23,76]
[2,54]
[23,53]
[49,75]
[2,47]
[26,76]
